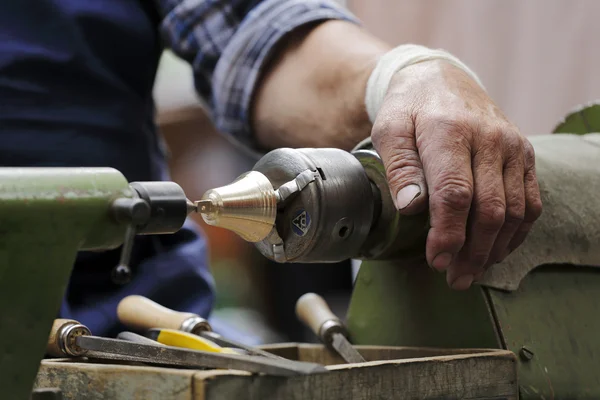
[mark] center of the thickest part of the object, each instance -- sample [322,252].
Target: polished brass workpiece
[247,206]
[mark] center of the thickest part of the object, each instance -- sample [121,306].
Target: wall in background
[537,58]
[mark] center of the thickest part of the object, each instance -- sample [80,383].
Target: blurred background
[538,59]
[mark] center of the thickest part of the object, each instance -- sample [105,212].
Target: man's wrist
[395,61]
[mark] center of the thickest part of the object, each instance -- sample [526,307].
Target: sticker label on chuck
[300,222]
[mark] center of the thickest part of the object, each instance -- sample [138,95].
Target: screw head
[526,353]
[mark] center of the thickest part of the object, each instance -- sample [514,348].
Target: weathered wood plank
[104,381]
[318,354]
[484,376]
[487,374]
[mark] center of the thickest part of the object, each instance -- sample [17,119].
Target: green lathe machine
[326,205]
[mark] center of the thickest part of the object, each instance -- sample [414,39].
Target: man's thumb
[406,179]
[408,199]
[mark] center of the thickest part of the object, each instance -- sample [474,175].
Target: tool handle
[53,347]
[141,313]
[314,312]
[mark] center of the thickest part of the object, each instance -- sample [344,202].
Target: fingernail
[406,195]
[462,282]
[442,261]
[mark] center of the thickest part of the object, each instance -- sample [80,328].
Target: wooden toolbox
[389,373]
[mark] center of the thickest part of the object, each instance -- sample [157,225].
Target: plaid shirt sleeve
[228,42]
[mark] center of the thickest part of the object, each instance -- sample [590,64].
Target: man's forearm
[312,92]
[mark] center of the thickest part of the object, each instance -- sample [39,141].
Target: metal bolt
[526,354]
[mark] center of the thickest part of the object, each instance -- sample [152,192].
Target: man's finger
[446,158]
[533,202]
[486,216]
[394,140]
[514,193]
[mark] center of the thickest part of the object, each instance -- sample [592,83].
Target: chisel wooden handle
[61,341]
[314,312]
[141,313]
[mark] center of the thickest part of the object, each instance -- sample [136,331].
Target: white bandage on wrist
[397,59]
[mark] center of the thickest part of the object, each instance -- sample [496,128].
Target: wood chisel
[72,339]
[142,314]
[316,314]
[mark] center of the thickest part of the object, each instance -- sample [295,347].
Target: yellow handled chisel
[142,314]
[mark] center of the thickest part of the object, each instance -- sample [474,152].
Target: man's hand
[446,145]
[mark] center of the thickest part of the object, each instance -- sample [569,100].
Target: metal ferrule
[330,327]
[195,325]
[67,339]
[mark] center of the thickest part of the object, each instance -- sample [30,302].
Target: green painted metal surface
[555,314]
[399,306]
[46,216]
[582,120]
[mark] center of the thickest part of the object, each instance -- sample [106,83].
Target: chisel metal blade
[167,355]
[134,337]
[226,342]
[345,349]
